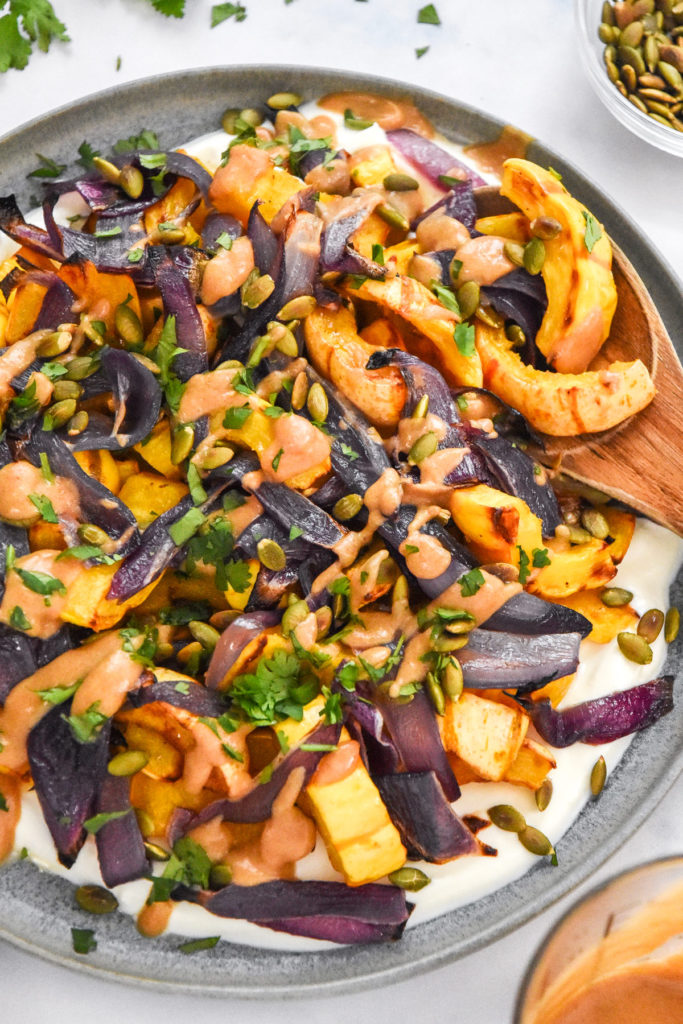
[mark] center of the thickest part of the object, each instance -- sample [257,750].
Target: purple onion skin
[257,804]
[57,307]
[120,848]
[198,700]
[179,301]
[232,642]
[517,662]
[288,506]
[459,204]
[16,660]
[430,829]
[319,910]
[338,254]
[605,718]
[13,224]
[67,776]
[429,158]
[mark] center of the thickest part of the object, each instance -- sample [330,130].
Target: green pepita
[638,103]
[323,618]
[607,13]
[299,391]
[515,253]
[533,840]
[95,899]
[316,402]
[131,181]
[256,290]
[629,55]
[488,316]
[650,625]
[229,120]
[516,335]
[469,297]
[156,852]
[423,448]
[400,183]
[251,116]
[128,326]
[598,776]
[534,256]
[271,555]
[507,817]
[207,636]
[347,507]
[448,643]
[577,535]
[632,34]
[421,409]
[435,694]
[544,794]
[91,534]
[616,597]
[635,648]
[410,879]
[284,100]
[393,217]
[66,389]
[629,77]
[61,412]
[170,234]
[55,344]
[452,679]
[128,762]
[109,171]
[294,615]
[79,368]
[606,33]
[595,522]
[545,228]
[77,423]
[298,308]
[671,75]
[220,876]
[181,443]
[672,624]
[216,457]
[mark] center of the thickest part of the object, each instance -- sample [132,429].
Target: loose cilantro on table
[169,8]
[23,23]
[428,15]
[221,12]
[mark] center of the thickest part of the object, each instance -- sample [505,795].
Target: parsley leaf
[221,12]
[24,23]
[18,620]
[463,336]
[428,16]
[94,824]
[349,452]
[40,582]
[48,168]
[294,532]
[86,726]
[83,940]
[445,297]
[45,507]
[377,674]
[145,140]
[169,8]
[58,694]
[86,154]
[523,565]
[593,230]
[181,614]
[540,557]
[274,691]
[299,145]
[332,711]
[236,417]
[470,582]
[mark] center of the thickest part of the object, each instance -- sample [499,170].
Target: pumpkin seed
[80,367]
[207,636]
[452,679]
[423,448]
[488,316]
[577,535]
[610,55]
[271,555]
[156,852]
[91,534]
[469,297]
[128,326]
[516,335]
[659,108]
[54,345]
[164,651]
[61,412]
[411,879]
[545,228]
[435,694]
[284,100]
[400,183]
[393,217]
[447,643]
[629,55]
[66,389]
[347,507]
[656,94]
[95,899]
[612,71]
[607,13]
[323,617]
[256,290]
[628,77]
[181,443]
[109,171]
[616,597]
[190,651]
[638,103]
[128,762]
[650,625]
[420,410]
[598,776]
[77,423]
[220,875]
[454,268]
[544,794]
[507,817]
[632,34]
[169,235]
[317,403]
[460,626]
[131,181]
[145,822]
[635,648]
[515,253]
[294,615]
[216,457]
[606,33]
[595,523]
[534,256]
[298,309]
[533,840]
[621,88]
[672,624]
[651,81]
[228,120]
[299,391]
[251,116]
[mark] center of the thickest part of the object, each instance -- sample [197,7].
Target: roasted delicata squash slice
[337,351]
[582,567]
[496,525]
[562,404]
[577,270]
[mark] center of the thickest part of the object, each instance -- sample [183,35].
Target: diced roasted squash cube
[102,466]
[156,451]
[484,734]
[155,800]
[582,567]
[373,231]
[147,495]
[87,603]
[371,165]
[531,766]
[496,524]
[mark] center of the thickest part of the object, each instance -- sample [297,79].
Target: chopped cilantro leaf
[273,692]
[86,155]
[23,406]
[470,582]
[463,336]
[357,124]
[53,371]
[236,417]
[231,752]
[18,620]
[135,255]
[449,181]
[593,230]
[182,687]
[294,532]
[523,565]
[224,240]
[195,861]
[555,174]
[420,51]
[221,12]
[348,676]
[45,507]
[108,232]
[186,527]
[428,16]
[94,824]
[86,551]
[83,940]
[143,653]
[145,140]
[169,8]
[332,712]
[58,694]
[181,614]
[349,452]
[3,803]
[194,482]
[196,945]
[40,582]
[276,461]
[378,253]
[377,674]
[48,168]
[324,748]
[45,468]
[445,297]
[86,726]
[299,145]
[539,558]
[411,549]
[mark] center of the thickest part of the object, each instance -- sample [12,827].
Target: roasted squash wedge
[577,271]
[582,567]
[606,622]
[485,734]
[496,524]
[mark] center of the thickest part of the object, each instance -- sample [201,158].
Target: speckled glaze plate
[37,911]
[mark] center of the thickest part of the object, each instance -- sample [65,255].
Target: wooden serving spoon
[640,461]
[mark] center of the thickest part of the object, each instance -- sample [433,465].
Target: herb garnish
[58,694]
[45,507]
[447,298]
[236,417]
[221,12]
[523,565]
[540,557]
[196,945]
[593,230]
[18,620]
[83,940]
[470,582]
[463,335]
[94,824]
[86,726]
[40,582]
[428,16]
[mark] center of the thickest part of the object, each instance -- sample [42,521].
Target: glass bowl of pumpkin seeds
[633,53]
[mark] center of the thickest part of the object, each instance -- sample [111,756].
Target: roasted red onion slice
[233,640]
[181,693]
[13,224]
[120,849]
[514,661]
[605,718]
[429,827]
[429,158]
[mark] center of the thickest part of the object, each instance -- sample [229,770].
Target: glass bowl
[636,913]
[588,19]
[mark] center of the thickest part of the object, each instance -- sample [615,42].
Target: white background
[516,60]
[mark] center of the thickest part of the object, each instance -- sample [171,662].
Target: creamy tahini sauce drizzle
[42,611]
[19,479]
[648,569]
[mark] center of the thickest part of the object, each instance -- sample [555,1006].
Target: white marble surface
[518,61]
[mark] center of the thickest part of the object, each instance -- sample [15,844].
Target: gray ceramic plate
[37,911]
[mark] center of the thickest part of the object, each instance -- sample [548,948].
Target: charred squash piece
[496,524]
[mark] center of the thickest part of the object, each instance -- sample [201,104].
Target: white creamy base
[648,570]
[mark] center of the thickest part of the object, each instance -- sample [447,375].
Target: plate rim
[375,967]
